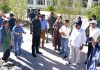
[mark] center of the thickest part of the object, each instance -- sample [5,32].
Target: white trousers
[75,54]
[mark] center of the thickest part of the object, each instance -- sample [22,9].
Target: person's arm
[46,27]
[71,37]
[22,31]
[83,40]
[54,25]
[14,32]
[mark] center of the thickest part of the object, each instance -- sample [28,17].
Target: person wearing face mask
[93,62]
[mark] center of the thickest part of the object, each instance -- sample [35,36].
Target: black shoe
[58,49]
[60,53]
[38,52]
[34,55]
[85,62]
[55,48]
[69,63]
[64,57]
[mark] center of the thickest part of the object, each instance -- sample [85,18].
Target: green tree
[94,10]
[4,6]
[68,7]
[19,8]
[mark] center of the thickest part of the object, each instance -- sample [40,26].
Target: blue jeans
[17,46]
[64,45]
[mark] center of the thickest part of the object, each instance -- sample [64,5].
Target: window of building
[48,2]
[30,1]
[40,2]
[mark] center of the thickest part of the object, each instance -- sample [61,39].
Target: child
[17,32]
[5,40]
[94,59]
[65,30]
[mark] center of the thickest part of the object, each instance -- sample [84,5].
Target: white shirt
[66,30]
[94,32]
[78,37]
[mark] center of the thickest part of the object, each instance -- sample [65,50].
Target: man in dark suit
[36,35]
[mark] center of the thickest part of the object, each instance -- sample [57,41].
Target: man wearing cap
[94,32]
[76,42]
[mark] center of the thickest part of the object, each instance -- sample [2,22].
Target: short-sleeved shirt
[18,29]
[94,33]
[66,30]
[43,24]
[11,23]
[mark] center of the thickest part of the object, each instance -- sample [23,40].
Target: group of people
[66,39]
[10,36]
[62,37]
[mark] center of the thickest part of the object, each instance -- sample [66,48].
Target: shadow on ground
[42,62]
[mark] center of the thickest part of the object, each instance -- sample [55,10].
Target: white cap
[93,22]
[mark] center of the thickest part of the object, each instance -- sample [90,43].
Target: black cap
[11,14]
[89,39]
[77,24]
[79,17]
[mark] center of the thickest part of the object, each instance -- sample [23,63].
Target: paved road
[49,60]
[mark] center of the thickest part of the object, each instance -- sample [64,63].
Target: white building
[34,4]
[92,2]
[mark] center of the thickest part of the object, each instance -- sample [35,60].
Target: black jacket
[36,27]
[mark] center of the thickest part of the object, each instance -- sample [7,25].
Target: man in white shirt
[77,40]
[64,31]
[94,32]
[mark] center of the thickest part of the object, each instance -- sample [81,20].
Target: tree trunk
[89,4]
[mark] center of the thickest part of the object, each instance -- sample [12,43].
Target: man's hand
[81,47]
[97,68]
[62,33]
[24,32]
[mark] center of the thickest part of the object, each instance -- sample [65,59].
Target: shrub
[5,8]
[94,10]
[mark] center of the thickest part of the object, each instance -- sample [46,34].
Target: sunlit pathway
[49,60]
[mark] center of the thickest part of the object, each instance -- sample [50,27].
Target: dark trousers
[58,42]
[6,54]
[50,31]
[90,47]
[35,44]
